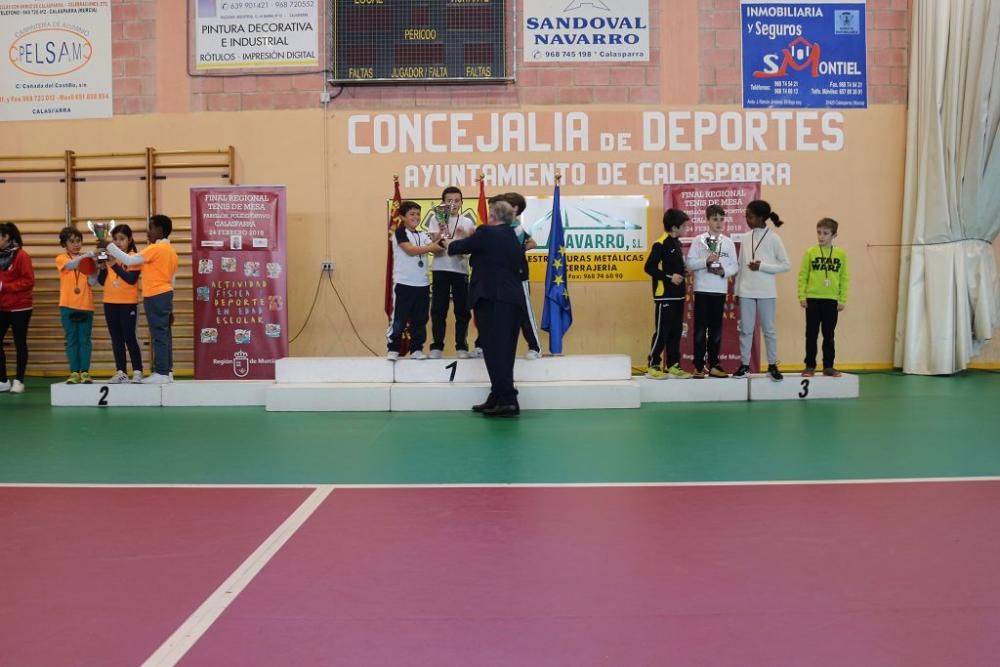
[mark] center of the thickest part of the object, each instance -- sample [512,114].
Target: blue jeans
[158,310]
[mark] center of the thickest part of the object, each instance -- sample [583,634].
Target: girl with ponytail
[762,257]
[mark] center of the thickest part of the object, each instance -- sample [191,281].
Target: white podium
[104,395]
[796,388]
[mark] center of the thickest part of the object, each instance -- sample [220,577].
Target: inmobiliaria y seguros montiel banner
[239,259]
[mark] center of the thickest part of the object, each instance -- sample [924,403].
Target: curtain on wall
[949,296]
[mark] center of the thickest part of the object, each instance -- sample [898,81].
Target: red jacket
[16,283]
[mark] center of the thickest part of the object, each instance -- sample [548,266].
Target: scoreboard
[379,41]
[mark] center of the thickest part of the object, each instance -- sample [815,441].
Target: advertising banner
[239,260]
[568,31]
[693,198]
[809,55]
[261,33]
[58,59]
[605,237]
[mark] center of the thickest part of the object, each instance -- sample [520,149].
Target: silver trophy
[441,213]
[714,245]
[100,231]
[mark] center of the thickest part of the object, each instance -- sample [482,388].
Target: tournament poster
[240,279]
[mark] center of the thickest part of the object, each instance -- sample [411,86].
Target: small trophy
[441,213]
[100,230]
[714,246]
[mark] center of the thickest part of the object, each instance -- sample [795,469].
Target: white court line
[516,485]
[199,622]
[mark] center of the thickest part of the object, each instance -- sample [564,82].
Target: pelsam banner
[693,198]
[58,59]
[239,260]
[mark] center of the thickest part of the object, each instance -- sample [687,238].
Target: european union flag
[557,315]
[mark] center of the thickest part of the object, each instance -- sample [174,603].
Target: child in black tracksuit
[666,267]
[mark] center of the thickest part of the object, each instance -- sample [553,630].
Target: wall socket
[327,265]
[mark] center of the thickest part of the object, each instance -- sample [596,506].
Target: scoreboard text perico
[419,41]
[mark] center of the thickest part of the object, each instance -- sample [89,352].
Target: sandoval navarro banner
[239,259]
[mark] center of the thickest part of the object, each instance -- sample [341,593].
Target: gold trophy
[100,231]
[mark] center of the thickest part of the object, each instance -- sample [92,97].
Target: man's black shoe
[511,410]
[488,403]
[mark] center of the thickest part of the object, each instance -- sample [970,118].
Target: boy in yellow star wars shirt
[823,282]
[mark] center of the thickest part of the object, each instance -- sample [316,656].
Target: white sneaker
[435,354]
[477,353]
[392,355]
[136,377]
[171,375]
[157,378]
[118,378]
[462,354]
[17,387]
[5,386]
[418,355]
[533,354]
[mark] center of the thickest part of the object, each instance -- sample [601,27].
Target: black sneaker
[741,372]
[772,370]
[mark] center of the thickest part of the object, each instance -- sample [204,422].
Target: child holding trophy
[451,274]
[410,299]
[158,263]
[121,306]
[823,293]
[712,260]
[76,303]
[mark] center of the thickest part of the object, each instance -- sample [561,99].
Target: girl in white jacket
[762,256]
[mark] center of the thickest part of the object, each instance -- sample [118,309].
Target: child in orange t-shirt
[76,303]
[121,307]
[158,262]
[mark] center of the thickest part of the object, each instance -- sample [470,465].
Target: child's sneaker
[772,370]
[17,387]
[717,372]
[654,373]
[74,378]
[832,372]
[392,355]
[477,353]
[698,374]
[678,372]
[809,371]
[533,354]
[118,378]
[157,378]
[418,355]
[85,378]
[136,377]
[742,371]
[435,354]
[4,386]
[461,354]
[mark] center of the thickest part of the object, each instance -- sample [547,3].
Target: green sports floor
[901,427]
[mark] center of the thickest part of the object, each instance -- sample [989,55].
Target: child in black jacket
[666,267]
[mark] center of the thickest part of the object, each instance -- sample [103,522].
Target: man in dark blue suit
[497,297]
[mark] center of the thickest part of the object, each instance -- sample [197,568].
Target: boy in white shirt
[451,277]
[712,261]
[410,299]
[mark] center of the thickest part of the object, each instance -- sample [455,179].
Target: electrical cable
[309,314]
[348,313]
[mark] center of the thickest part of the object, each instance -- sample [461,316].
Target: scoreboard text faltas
[402,40]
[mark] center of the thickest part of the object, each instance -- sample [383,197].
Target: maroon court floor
[756,574]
